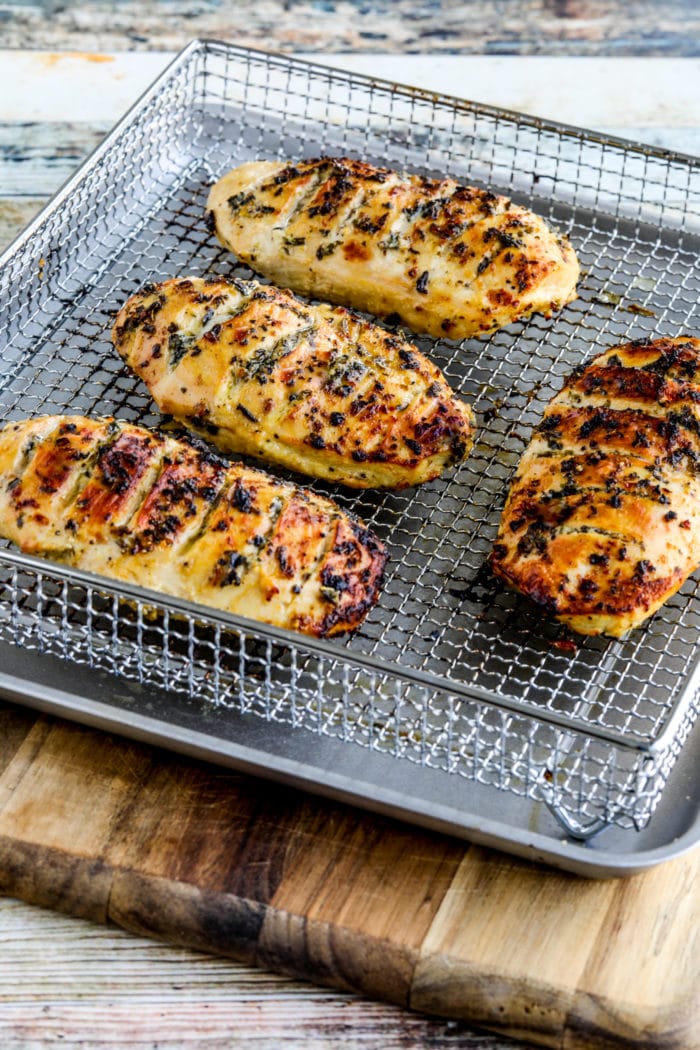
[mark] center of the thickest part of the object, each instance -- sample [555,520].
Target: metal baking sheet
[454,688]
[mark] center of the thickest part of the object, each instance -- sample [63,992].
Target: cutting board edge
[183,915]
[576,1022]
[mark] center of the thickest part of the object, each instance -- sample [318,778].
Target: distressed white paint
[589,92]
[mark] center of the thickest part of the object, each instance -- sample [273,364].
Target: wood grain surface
[410,26]
[72,983]
[204,858]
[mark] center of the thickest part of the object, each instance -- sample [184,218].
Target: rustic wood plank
[65,88]
[666,989]
[408,26]
[59,808]
[202,857]
[36,158]
[91,986]
[574,986]
[510,892]
[115,816]
[354,911]
[16,726]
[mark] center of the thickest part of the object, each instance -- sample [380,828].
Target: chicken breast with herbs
[602,523]
[313,388]
[116,499]
[448,260]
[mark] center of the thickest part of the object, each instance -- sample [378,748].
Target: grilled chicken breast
[602,523]
[116,499]
[313,388]
[449,260]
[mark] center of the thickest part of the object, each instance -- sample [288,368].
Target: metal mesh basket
[450,670]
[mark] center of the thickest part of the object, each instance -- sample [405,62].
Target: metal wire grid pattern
[586,782]
[633,218]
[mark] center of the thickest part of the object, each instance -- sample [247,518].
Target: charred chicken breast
[116,499]
[602,523]
[449,260]
[314,388]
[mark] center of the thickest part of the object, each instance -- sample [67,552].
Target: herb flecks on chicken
[314,388]
[446,259]
[118,500]
[602,522]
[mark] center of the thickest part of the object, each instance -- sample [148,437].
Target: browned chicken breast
[449,260]
[313,388]
[119,500]
[602,523]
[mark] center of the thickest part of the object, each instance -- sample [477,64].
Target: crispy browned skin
[314,388]
[449,260]
[602,523]
[119,500]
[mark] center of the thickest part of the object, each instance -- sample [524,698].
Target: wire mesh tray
[476,715]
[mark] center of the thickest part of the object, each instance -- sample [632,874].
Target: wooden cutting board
[112,830]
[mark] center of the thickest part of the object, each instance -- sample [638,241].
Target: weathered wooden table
[84,985]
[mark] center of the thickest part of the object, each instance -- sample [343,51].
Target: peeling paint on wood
[591,92]
[600,27]
[37,158]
